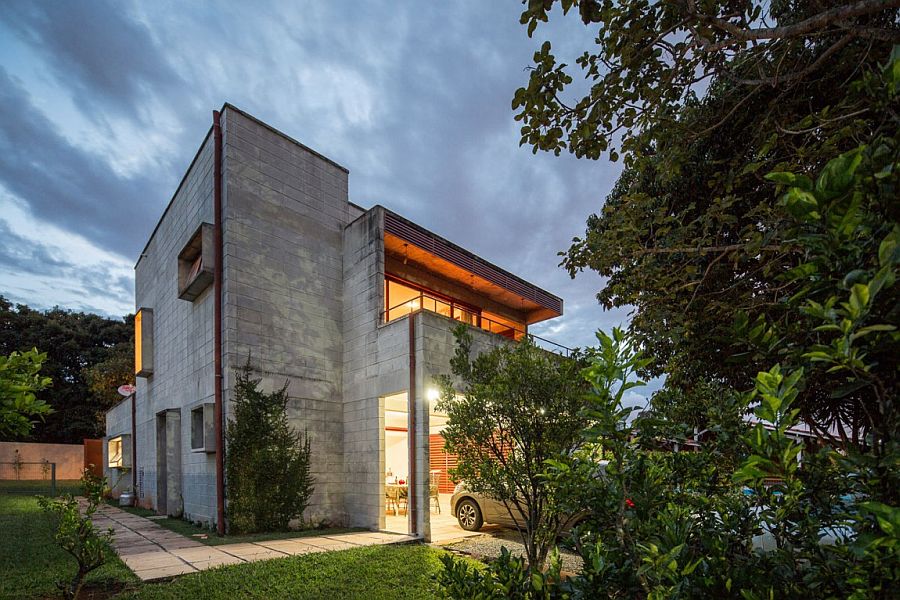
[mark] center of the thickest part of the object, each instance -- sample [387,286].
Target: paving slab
[256,553]
[151,560]
[153,552]
[165,572]
[291,547]
[218,562]
[203,553]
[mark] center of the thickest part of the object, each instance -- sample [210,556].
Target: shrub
[506,577]
[267,462]
[20,380]
[518,406]
[75,532]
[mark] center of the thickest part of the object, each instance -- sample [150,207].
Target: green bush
[266,463]
[75,533]
[506,577]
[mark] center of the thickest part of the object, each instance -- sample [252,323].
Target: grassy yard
[30,561]
[213,539]
[373,573]
[30,487]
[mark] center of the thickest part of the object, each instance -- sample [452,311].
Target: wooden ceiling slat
[413,234]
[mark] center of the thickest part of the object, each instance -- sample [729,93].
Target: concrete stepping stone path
[154,552]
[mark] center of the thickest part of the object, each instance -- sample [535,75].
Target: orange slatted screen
[443,462]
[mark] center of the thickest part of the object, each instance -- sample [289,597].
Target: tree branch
[816,64]
[704,250]
[814,23]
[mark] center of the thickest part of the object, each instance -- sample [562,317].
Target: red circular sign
[127,389]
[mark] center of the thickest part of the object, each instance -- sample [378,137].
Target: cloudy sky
[103,104]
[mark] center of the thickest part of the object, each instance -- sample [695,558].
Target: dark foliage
[266,462]
[74,342]
[702,99]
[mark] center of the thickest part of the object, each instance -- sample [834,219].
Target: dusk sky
[103,105]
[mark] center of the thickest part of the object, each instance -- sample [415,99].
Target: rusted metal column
[219,414]
[134,447]
[411,437]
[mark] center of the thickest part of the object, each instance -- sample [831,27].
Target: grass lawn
[188,529]
[30,561]
[372,572]
[31,487]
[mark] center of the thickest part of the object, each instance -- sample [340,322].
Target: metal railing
[465,314]
[28,477]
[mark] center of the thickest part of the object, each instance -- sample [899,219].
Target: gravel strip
[487,547]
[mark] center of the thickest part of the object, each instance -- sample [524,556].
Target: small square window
[118,450]
[195,263]
[203,428]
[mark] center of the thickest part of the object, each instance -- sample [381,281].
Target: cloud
[43,266]
[105,103]
[108,60]
[66,185]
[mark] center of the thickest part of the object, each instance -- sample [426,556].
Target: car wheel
[468,515]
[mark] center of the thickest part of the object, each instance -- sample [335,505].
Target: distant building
[351,307]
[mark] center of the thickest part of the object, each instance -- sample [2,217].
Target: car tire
[468,515]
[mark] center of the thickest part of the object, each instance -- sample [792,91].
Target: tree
[20,380]
[75,532]
[73,342]
[702,100]
[517,406]
[104,378]
[266,463]
[653,59]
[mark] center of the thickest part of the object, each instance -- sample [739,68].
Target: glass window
[400,300]
[114,448]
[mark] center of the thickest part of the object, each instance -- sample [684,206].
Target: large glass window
[402,298]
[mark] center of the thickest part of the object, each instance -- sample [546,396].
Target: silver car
[472,510]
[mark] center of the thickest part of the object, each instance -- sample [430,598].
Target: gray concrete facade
[303,300]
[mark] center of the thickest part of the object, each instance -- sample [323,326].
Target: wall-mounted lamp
[432,394]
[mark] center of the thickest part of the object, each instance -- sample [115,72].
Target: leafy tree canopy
[702,100]
[87,358]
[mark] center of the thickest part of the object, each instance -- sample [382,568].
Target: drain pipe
[217,324]
[134,460]
[412,480]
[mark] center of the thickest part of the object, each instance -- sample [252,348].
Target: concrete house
[261,254]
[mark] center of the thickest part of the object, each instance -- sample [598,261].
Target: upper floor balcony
[423,271]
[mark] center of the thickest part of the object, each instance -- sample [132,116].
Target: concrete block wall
[363,419]
[285,212]
[435,346]
[183,344]
[118,422]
